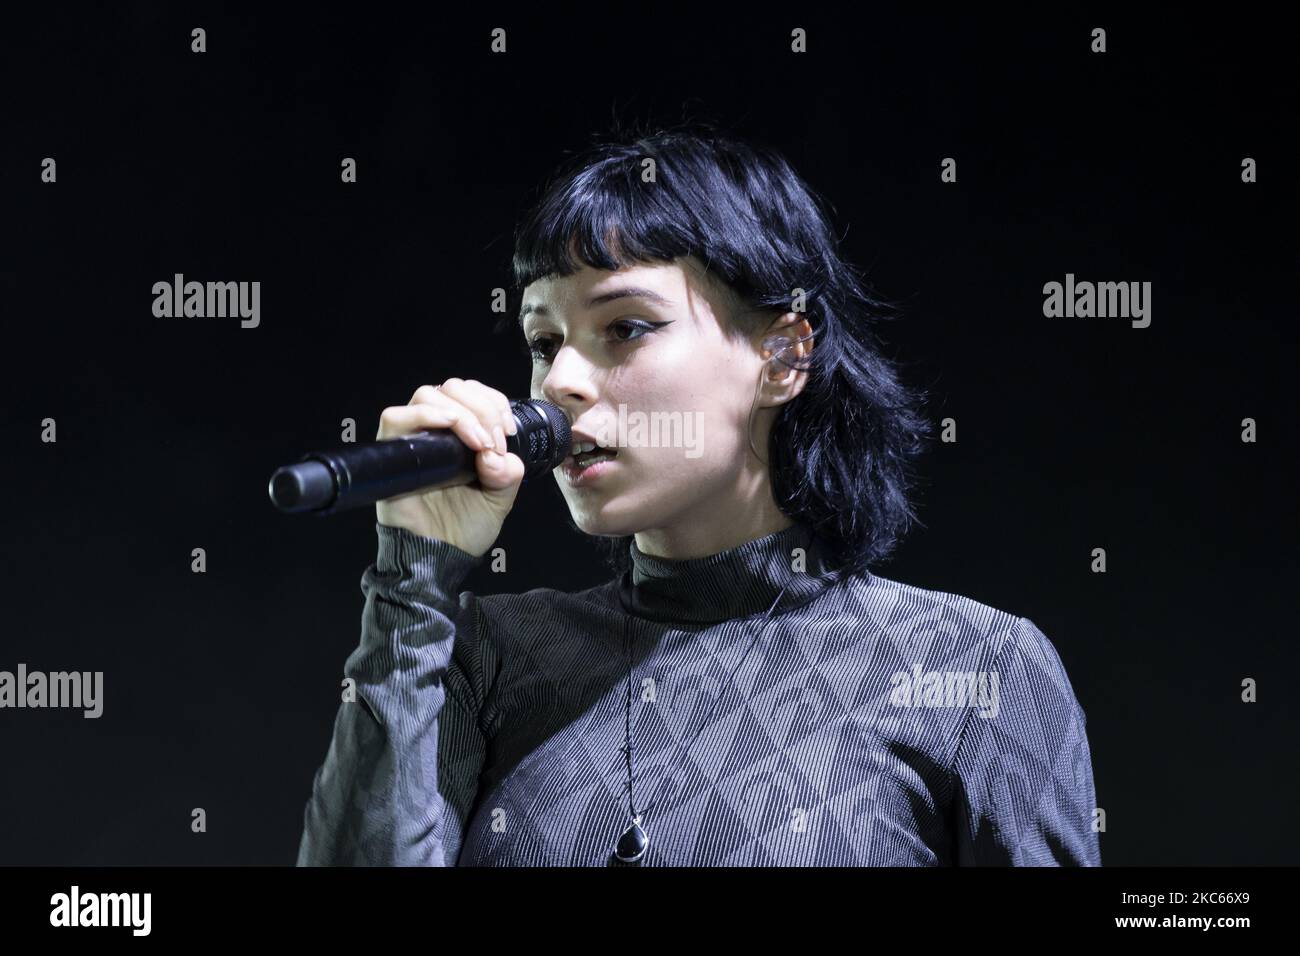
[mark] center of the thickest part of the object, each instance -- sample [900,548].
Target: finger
[491,405]
[407,419]
[487,404]
[429,394]
[397,420]
[436,396]
[503,403]
[436,393]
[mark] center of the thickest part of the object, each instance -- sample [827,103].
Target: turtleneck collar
[738,582]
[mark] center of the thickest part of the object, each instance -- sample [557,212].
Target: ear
[786,344]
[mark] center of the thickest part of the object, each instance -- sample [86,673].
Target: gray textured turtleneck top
[869,723]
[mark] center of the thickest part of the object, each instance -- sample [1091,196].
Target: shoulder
[921,618]
[935,625]
[955,627]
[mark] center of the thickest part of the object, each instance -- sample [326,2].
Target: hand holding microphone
[467,516]
[446,465]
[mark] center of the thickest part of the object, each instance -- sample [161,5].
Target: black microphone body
[327,482]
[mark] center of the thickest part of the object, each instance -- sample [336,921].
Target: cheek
[700,375]
[702,387]
[724,404]
[698,438]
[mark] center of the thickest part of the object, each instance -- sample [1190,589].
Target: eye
[643,327]
[537,346]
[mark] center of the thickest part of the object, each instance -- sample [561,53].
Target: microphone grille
[544,439]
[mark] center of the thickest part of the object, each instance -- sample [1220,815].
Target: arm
[401,773]
[1024,775]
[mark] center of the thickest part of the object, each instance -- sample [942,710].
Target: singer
[745,690]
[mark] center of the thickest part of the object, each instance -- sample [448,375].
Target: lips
[583,467]
[586,457]
[581,470]
[579,438]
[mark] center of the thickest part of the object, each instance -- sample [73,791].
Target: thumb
[500,477]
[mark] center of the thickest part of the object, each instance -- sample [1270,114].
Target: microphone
[327,482]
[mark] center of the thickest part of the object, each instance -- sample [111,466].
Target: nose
[569,382]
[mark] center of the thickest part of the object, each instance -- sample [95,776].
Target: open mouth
[583,459]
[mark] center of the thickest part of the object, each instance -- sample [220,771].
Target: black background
[220,689]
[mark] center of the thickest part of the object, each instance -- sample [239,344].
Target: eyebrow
[627,292]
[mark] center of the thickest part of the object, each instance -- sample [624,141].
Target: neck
[749,512]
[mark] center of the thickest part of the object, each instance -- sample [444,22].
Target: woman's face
[638,359]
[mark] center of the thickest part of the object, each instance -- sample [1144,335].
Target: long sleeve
[1024,774]
[401,773]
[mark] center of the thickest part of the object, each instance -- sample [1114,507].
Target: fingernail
[484,438]
[500,437]
[511,427]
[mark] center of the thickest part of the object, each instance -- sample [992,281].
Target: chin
[604,523]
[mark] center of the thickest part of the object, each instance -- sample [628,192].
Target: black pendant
[632,844]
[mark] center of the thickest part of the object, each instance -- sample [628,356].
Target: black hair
[840,453]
